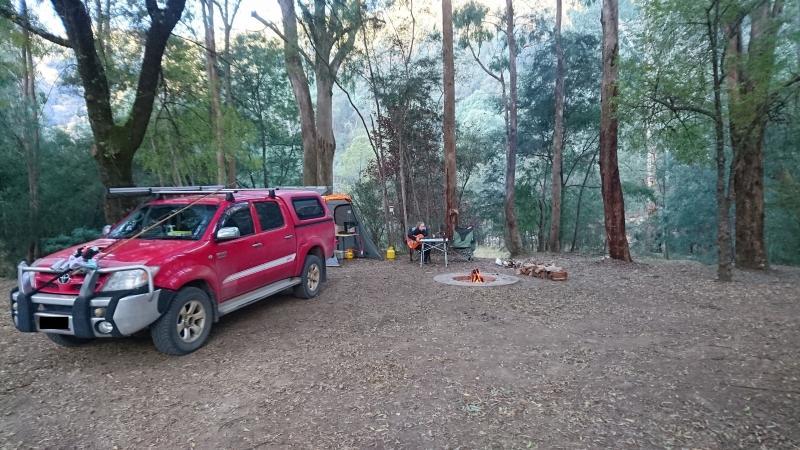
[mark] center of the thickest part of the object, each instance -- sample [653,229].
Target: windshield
[188,224]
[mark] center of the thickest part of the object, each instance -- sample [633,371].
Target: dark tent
[350,231]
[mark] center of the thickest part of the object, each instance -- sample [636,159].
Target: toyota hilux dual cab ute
[176,265]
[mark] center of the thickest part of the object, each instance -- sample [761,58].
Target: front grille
[55,309]
[72,286]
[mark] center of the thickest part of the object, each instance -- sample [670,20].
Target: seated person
[413,238]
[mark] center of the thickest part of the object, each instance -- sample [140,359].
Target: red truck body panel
[229,268]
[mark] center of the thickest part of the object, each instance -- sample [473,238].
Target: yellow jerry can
[390,254]
[349,254]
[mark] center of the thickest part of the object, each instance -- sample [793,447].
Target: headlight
[127,280]
[27,282]
[29,278]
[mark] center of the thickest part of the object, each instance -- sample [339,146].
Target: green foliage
[74,237]
[264,97]
[366,195]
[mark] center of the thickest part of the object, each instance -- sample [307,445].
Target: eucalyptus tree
[215,96]
[613,201]
[330,28]
[580,122]
[684,81]
[702,75]
[21,120]
[477,30]
[449,120]
[752,31]
[558,138]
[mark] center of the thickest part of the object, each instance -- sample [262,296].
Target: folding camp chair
[463,242]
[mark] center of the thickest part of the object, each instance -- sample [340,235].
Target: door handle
[288,236]
[257,244]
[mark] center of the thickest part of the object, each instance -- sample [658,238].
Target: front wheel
[311,279]
[186,325]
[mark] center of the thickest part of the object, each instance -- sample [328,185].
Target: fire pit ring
[463,279]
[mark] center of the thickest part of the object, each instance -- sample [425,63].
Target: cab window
[239,216]
[269,215]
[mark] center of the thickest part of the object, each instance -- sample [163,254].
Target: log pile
[547,271]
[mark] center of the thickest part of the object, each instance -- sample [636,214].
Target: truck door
[279,241]
[237,260]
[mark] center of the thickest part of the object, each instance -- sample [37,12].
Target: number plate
[53,323]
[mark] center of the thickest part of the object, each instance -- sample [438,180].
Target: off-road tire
[66,340]
[311,279]
[164,331]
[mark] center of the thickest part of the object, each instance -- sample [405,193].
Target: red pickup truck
[176,265]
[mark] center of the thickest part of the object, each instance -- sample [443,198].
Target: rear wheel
[66,340]
[311,279]
[186,325]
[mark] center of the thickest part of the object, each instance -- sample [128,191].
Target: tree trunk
[264,173]
[613,202]
[558,139]
[30,140]
[513,239]
[228,17]
[300,88]
[449,120]
[748,183]
[540,234]
[401,157]
[574,245]
[749,74]
[665,232]
[326,143]
[214,91]
[377,143]
[724,272]
[115,165]
[319,145]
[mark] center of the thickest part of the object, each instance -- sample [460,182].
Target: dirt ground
[653,354]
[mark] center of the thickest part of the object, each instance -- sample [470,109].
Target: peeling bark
[613,201]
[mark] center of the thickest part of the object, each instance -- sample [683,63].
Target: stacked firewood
[547,271]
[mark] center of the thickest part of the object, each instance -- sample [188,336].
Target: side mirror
[106,230]
[228,233]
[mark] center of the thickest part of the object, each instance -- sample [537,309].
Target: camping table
[341,241]
[438,244]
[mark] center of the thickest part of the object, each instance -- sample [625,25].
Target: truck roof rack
[141,191]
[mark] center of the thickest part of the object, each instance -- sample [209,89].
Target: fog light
[99,312]
[105,327]
[14,306]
